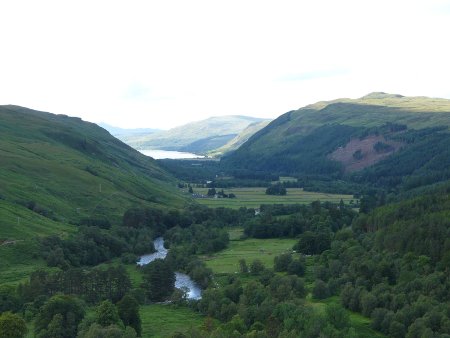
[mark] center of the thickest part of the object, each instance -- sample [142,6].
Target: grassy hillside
[201,136]
[56,171]
[301,142]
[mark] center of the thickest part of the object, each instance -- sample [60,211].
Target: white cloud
[164,63]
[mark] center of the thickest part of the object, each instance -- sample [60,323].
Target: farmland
[227,261]
[254,197]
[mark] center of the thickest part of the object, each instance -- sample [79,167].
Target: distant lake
[160,154]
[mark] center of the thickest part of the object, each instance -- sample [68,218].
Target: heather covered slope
[57,170]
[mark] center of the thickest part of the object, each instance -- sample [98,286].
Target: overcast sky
[160,64]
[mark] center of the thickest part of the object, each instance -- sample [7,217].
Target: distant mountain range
[122,132]
[199,137]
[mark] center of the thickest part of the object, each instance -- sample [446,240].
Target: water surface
[182,281]
[162,154]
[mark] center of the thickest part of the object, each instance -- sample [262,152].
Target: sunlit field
[254,197]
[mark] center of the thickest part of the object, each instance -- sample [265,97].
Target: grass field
[227,261]
[161,321]
[254,197]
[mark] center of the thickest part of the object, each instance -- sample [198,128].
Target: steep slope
[56,170]
[240,139]
[200,136]
[304,141]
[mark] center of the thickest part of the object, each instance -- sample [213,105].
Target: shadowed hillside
[372,135]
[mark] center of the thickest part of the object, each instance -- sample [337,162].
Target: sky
[161,64]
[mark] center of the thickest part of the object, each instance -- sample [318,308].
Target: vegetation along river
[182,280]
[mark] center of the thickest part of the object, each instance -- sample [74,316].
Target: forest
[391,265]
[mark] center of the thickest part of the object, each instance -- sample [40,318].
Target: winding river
[182,280]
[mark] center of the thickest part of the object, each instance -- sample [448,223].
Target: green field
[254,197]
[164,320]
[227,261]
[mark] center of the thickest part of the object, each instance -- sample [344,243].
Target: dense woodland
[391,265]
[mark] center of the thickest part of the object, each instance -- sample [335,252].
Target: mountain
[200,137]
[57,170]
[385,139]
[124,133]
[239,139]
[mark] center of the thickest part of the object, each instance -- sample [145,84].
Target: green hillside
[200,136]
[348,137]
[57,170]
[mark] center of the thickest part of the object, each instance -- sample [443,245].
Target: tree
[311,243]
[12,326]
[55,328]
[69,307]
[296,267]
[159,280]
[128,308]
[106,314]
[320,290]
[8,299]
[397,330]
[256,267]
[338,316]
[368,304]
[111,331]
[282,262]
[243,268]
[276,189]
[211,192]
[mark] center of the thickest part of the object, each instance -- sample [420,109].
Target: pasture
[227,261]
[254,197]
[160,321]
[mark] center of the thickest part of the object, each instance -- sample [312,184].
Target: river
[182,280]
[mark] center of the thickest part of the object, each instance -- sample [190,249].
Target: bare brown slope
[366,146]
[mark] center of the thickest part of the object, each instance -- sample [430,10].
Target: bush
[320,290]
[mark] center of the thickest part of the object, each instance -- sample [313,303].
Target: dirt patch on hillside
[362,153]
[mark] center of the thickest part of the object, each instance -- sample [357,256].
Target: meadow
[254,197]
[160,321]
[227,261]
